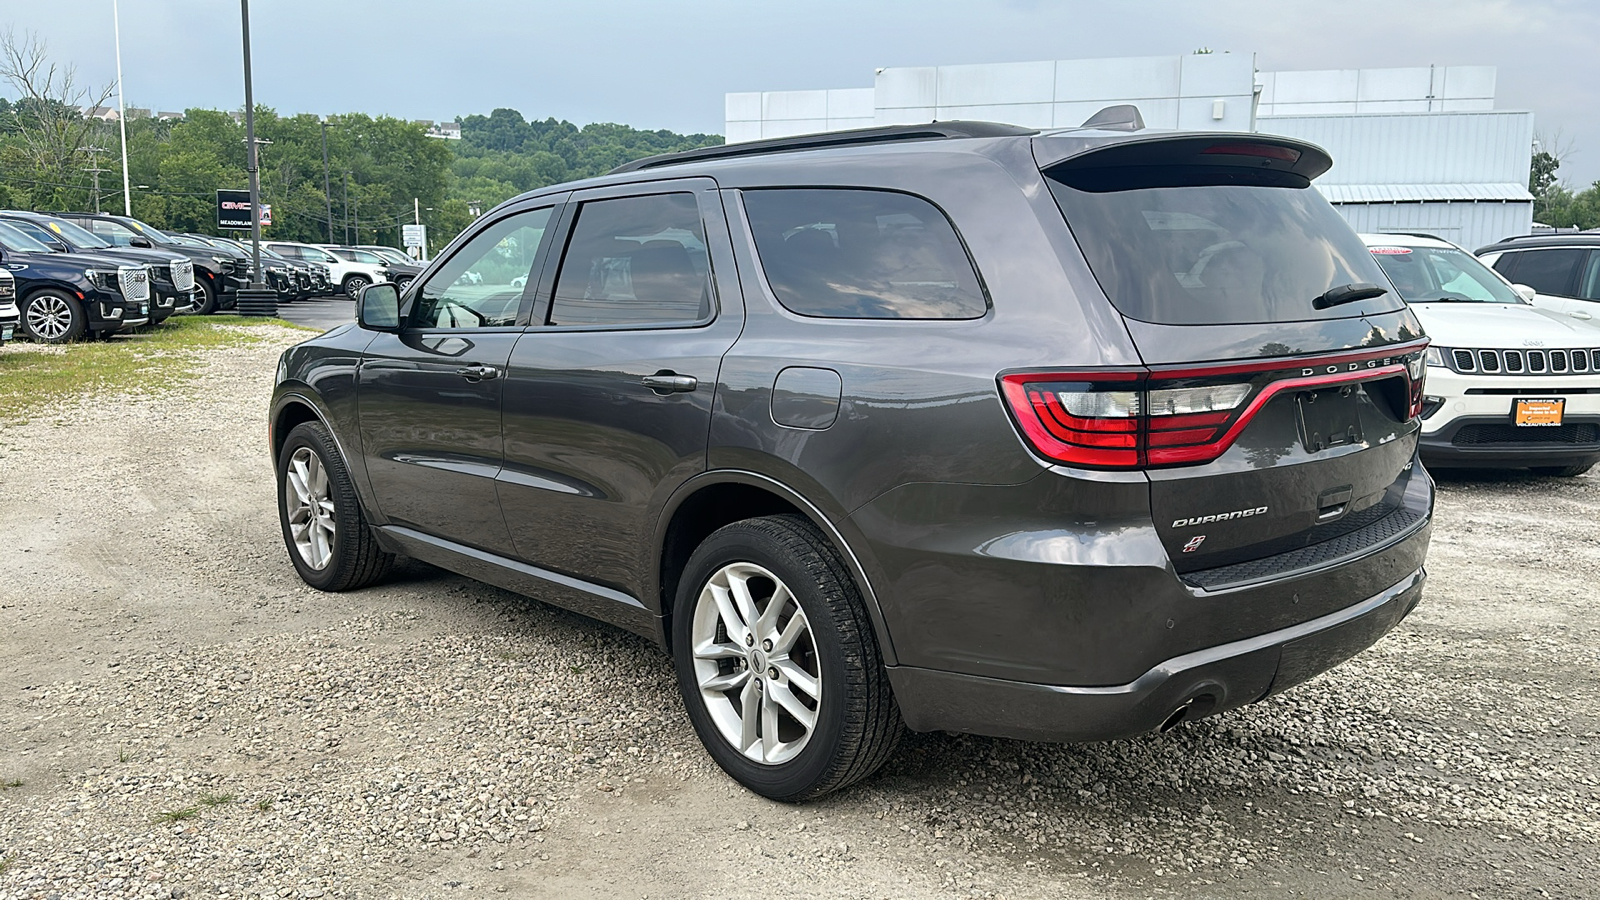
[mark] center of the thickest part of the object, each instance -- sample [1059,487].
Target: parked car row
[79,275]
[1514,365]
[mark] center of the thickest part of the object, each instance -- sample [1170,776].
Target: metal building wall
[753,115]
[1326,92]
[1484,147]
[1471,225]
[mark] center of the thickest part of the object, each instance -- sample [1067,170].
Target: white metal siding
[1493,147]
[1471,225]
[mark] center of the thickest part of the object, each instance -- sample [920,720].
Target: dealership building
[1414,149]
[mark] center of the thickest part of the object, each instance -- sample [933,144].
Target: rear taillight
[1164,416]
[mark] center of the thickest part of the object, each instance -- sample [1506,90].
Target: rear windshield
[1215,254]
[1441,275]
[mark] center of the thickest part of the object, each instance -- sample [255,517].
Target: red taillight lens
[1265,151]
[1129,418]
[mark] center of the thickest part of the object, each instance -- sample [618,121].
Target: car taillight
[1163,416]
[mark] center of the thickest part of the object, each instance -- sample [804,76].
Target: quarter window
[482,285]
[862,254]
[635,261]
[1590,290]
[1548,271]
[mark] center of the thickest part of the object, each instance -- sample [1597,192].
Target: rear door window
[635,261]
[862,254]
[1590,288]
[1549,271]
[1208,254]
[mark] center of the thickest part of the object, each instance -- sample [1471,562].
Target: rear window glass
[635,261]
[1219,253]
[862,254]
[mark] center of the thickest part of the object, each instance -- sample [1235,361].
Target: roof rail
[885,134]
[1420,234]
[1554,232]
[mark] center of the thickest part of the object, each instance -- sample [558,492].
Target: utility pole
[96,172]
[327,194]
[347,209]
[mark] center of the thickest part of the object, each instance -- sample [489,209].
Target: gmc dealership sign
[233,210]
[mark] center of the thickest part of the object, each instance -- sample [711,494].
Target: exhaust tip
[1176,719]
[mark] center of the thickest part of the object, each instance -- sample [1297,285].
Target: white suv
[349,275]
[1509,384]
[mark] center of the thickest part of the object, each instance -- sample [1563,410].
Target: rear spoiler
[1275,158]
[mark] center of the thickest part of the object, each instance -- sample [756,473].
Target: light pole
[327,194]
[122,115]
[257,299]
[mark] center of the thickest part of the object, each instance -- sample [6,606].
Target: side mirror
[140,242]
[1525,292]
[378,307]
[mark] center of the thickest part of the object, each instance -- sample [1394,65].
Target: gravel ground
[181,717]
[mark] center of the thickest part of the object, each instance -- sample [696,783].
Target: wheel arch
[713,499]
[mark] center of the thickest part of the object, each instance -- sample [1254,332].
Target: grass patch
[263,806]
[5,863]
[214,800]
[178,815]
[36,377]
[13,783]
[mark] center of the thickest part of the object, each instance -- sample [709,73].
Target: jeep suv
[1510,384]
[1060,436]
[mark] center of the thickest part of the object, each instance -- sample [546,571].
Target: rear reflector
[1131,418]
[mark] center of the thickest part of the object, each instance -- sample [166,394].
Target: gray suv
[1057,436]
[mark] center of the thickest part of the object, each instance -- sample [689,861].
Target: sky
[668,65]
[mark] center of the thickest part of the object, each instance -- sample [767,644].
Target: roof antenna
[1116,118]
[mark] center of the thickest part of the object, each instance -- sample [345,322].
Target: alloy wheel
[755,660]
[49,318]
[308,495]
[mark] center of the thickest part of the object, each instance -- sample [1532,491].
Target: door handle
[670,383]
[478,373]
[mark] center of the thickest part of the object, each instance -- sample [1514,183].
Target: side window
[862,254]
[1590,288]
[634,261]
[111,231]
[481,286]
[315,255]
[285,250]
[1549,271]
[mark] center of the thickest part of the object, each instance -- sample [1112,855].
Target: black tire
[208,297]
[1561,471]
[59,317]
[353,284]
[857,723]
[356,559]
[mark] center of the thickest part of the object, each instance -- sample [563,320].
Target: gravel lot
[181,717]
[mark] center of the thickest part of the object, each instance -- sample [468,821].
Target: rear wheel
[353,285]
[324,527]
[53,317]
[777,661]
[1561,471]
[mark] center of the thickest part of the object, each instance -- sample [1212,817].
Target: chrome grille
[182,275]
[135,282]
[1524,362]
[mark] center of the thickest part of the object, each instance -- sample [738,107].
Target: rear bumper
[1200,683]
[1450,447]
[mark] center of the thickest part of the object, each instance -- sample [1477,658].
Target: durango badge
[1219,517]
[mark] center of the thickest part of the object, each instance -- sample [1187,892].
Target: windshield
[1212,254]
[72,235]
[13,239]
[1441,275]
[154,234]
[395,256]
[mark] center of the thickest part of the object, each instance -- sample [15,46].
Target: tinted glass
[482,285]
[860,254]
[79,238]
[1430,274]
[1548,271]
[15,239]
[1218,254]
[115,232]
[634,261]
[1590,289]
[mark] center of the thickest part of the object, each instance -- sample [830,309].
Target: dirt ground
[181,717]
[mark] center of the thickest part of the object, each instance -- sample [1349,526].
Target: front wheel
[777,661]
[206,304]
[1561,471]
[324,527]
[52,317]
[353,285]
